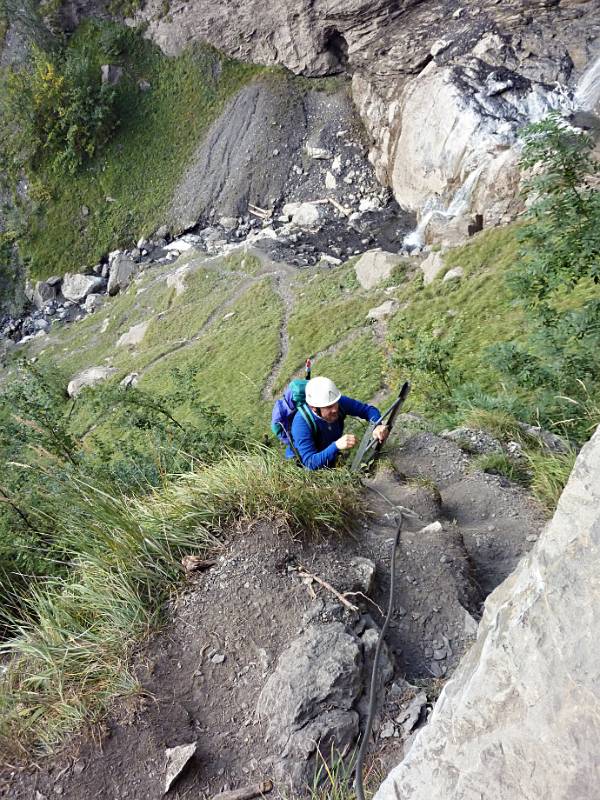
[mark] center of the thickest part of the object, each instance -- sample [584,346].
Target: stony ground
[235,628]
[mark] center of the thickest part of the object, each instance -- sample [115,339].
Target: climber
[318,429]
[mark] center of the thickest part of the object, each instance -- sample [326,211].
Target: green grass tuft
[501,464]
[550,473]
[71,652]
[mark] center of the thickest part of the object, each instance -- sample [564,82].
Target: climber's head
[322,395]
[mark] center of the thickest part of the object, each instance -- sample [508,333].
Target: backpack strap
[308,418]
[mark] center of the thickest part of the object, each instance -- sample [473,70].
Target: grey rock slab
[134,336]
[308,700]
[177,758]
[383,311]
[89,377]
[375,266]
[76,287]
[454,274]
[122,271]
[521,717]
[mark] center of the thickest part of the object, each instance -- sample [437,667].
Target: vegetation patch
[119,187]
[73,639]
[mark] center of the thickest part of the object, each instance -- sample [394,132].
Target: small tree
[557,277]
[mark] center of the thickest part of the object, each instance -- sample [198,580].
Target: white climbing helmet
[322,392]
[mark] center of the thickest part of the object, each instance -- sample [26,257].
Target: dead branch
[303,571]
[247,792]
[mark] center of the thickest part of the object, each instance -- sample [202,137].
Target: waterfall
[434,207]
[587,92]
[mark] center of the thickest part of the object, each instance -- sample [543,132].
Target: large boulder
[375,266]
[43,293]
[307,703]
[76,287]
[521,717]
[89,377]
[122,270]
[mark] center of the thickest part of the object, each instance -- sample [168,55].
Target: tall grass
[71,650]
[550,473]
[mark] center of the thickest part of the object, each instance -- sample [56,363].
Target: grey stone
[385,310]
[526,693]
[177,759]
[306,215]
[43,293]
[477,441]
[122,270]
[375,266]
[130,380]
[41,324]
[550,441]
[409,716]
[76,287]
[89,377]
[308,700]
[431,266]
[454,274]
[387,730]
[111,74]
[92,302]
[134,335]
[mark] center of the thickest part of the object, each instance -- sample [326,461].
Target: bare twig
[247,792]
[303,571]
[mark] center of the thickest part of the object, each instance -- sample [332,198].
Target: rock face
[442,87]
[521,717]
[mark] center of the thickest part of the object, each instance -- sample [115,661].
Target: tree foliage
[57,111]
[557,277]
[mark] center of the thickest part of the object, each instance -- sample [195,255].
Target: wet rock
[89,377]
[375,266]
[76,287]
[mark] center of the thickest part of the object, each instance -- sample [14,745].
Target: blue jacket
[319,450]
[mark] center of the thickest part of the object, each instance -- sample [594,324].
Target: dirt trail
[202,676]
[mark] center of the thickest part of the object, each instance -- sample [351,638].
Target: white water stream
[587,92]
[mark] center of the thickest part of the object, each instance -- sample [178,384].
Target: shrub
[557,276]
[58,111]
